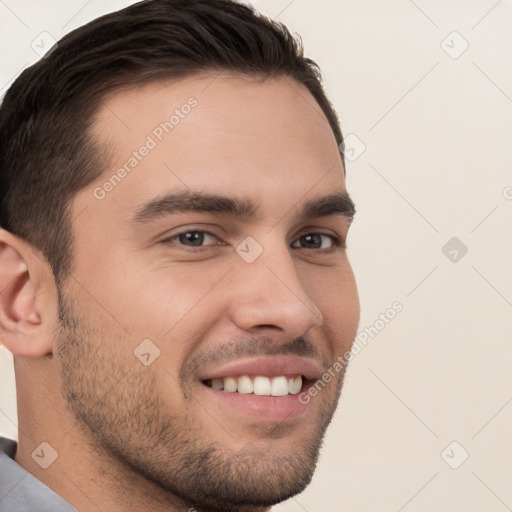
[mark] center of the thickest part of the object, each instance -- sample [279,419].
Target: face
[211,288]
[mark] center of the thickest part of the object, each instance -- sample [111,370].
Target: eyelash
[336,242]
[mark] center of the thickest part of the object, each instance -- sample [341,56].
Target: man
[173,264]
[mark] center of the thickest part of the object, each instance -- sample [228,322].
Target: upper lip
[267,366]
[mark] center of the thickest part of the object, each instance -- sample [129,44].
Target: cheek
[334,291]
[173,306]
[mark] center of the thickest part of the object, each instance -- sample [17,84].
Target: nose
[268,294]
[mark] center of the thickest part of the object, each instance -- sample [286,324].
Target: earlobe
[23,325]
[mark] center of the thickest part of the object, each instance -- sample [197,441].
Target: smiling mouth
[280,385]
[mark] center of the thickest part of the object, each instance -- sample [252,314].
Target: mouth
[260,385]
[266,388]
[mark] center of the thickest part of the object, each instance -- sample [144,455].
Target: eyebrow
[199,202]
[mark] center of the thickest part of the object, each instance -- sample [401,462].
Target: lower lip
[267,408]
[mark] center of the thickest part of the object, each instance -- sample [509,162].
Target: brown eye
[316,241]
[193,238]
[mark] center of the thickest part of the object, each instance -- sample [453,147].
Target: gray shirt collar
[22,492]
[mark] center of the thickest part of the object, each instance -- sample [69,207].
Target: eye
[316,241]
[197,238]
[193,238]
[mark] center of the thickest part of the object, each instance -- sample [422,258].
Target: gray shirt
[22,492]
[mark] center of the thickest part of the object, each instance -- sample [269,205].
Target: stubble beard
[118,405]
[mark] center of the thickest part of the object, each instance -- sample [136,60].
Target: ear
[28,298]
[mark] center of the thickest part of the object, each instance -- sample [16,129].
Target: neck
[91,479]
[84,475]
[87,476]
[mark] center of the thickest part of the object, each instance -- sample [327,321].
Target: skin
[135,437]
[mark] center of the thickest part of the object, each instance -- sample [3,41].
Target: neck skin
[87,477]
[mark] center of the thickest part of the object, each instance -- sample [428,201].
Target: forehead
[216,133]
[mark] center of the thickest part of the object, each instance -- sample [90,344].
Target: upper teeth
[275,386]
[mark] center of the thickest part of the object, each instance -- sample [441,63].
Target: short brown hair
[46,153]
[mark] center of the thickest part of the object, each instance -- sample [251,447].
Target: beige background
[436,164]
